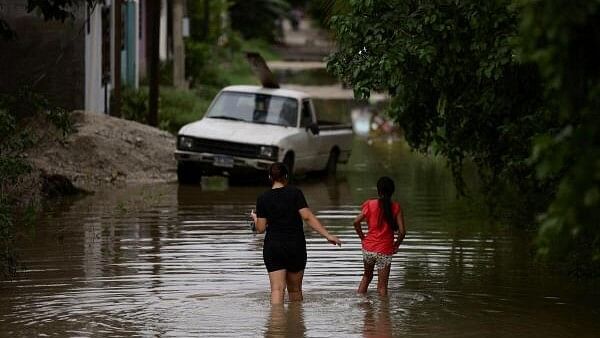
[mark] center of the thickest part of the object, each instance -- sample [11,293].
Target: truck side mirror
[314,128]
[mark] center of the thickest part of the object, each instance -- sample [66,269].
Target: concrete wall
[47,56]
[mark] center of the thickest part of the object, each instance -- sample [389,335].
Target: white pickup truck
[246,128]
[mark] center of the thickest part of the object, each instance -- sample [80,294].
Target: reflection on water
[164,260]
[286,321]
[377,319]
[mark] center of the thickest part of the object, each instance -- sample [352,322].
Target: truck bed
[330,125]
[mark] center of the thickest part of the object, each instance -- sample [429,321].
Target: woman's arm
[314,223]
[401,230]
[358,227]
[260,223]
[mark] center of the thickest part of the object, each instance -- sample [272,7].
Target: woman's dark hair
[385,189]
[278,172]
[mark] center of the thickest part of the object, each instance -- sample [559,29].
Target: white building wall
[163,31]
[94,91]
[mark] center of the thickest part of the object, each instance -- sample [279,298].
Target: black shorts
[284,254]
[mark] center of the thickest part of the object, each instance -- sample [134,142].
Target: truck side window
[307,118]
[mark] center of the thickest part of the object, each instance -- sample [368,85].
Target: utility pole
[118,40]
[152,53]
[178,47]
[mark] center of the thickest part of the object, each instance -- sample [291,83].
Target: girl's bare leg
[294,285]
[366,278]
[383,275]
[277,280]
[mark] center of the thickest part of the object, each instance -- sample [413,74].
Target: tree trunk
[178,47]
[152,53]
[206,23]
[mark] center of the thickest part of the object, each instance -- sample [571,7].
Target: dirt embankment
[105,151]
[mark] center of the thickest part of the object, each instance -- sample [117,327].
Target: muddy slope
[106,151]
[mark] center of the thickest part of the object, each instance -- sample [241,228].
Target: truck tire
[186,173]
[331,167]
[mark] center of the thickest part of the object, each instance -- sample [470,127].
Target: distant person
[279,212]
[384,220]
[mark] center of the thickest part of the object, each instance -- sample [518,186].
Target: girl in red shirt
[384,219]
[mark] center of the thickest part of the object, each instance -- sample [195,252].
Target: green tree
[562,38]
[59,10]
[456,85]
[206,21]
[258,18]
[485,81]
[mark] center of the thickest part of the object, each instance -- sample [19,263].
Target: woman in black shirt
[280,212]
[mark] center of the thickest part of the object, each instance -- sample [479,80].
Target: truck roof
[269,91]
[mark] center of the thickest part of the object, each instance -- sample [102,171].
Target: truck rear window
[255,108]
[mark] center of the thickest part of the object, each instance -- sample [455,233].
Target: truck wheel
[288,160]
[186,173]
[331,167]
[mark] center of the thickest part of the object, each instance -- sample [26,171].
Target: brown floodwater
[163,260]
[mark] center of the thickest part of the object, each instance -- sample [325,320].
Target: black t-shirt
[280,207]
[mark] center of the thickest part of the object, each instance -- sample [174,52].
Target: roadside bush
[134,104]
[165,74]
[200,64]
[20,113]
[176,106]
[179,107]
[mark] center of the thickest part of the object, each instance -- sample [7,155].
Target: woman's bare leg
[294,285]
[277,280]
[366,278]
[383,275]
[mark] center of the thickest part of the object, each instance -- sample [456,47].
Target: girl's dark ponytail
[385,188]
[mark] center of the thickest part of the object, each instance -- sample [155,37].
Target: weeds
[18,201]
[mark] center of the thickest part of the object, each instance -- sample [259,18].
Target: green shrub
[62,120]
[200,64]
[134,104]
[19,114]
[176,106]
[179,107]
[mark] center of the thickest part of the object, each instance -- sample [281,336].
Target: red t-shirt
[380,236]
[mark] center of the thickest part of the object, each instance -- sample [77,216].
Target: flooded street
[164,260]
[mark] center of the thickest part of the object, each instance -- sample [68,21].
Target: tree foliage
[59,10]
[206,23]
[21,115]
[484,81]
[258,18]
[456,85]
[562,37]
